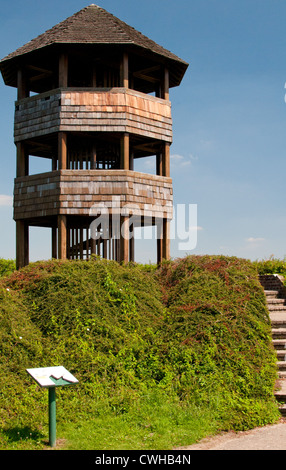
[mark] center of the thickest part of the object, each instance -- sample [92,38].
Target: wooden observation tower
[93,95]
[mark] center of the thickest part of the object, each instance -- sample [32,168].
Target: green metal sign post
[52,377]
[52,416]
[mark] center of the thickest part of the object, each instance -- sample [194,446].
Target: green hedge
[196,330]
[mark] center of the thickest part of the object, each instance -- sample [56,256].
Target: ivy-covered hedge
[197,330]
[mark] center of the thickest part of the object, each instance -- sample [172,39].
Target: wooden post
[131,161]
[159,243]
[54,243]
[131,243]
[166,239]
[165,87]
[22,244]
[62,237]
[166,160]
[93,158]
[81,243]
[124,81]
[124,154]
[94,81]
[22,160]
[62,150]
[124,239]
[159,164]
[54,163]
[63,70]
[22,85]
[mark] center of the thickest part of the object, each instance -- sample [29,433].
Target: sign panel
[52,376]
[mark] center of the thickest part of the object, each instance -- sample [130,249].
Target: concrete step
[271,294]
[280,392]
[278,319]
[277,308]
[282,409]
[281,365]
[278,333]
[281,354]
[276,301]
[279,344]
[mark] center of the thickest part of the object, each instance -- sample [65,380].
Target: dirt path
[272,437]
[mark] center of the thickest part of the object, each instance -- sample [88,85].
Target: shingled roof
[92,25]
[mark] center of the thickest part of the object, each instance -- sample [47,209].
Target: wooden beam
[159,164]
[22,244]
[63,70]
[166,84]
[93,158]
[148,74]
[22,84]
[62,237]
[42,73]
[22,160]
[54,243]
[166,239]
[132,243]
[124,71]
[62,150]
[124,153]
[159,242]
[124,239]
[166,160]
[131,161]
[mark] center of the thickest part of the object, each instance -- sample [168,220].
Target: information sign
[52,376]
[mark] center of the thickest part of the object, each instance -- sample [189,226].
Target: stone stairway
[276,301]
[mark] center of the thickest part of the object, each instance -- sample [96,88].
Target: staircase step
[277,308]
[281,354]
[271,293]
[282,409]
[279,333]
[280,393]
[279,344]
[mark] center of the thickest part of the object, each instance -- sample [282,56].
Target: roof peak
[92,25]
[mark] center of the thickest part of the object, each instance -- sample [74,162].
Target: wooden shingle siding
[74,192]
[115,110]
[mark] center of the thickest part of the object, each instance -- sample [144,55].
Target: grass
[154,423]
[163,356]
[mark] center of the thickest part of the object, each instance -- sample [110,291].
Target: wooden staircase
[276,301]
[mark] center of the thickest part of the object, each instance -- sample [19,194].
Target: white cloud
[255,240]
[6,200]
[181,161]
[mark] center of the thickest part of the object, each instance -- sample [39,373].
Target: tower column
[159,164]
[124,239]
[22,244]
[166,239]
[159,242]
[63,70]
[166,160]
[165,82]
[22,86]
[124,71]
[22,160]
[62,150]
[124,153]
[54,243]
[62,236]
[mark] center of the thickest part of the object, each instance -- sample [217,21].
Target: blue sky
[229,117]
